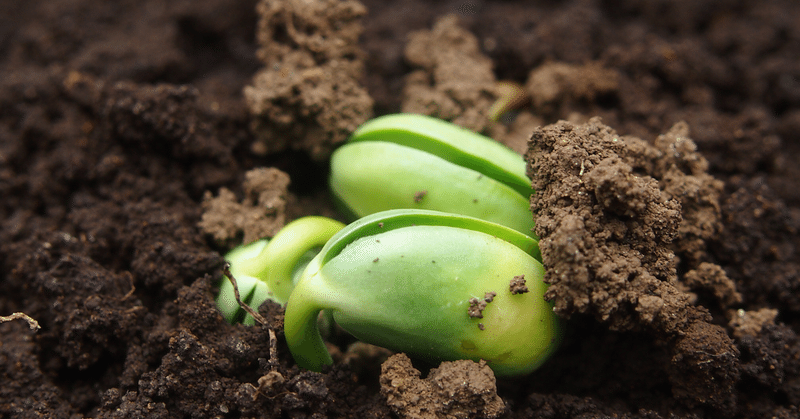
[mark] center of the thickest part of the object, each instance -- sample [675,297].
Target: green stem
[511,96]
[300,323]
[288,248]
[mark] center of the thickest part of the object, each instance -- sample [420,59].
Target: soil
[517,285]
[669,225]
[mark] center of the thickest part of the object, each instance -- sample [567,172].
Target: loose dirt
[674,250]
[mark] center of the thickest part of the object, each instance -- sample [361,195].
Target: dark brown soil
[678,267]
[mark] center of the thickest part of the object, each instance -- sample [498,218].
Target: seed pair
[443,221]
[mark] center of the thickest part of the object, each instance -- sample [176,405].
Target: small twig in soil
[33,324]
[129,293]
[273,341]
[273,350]
[226,270]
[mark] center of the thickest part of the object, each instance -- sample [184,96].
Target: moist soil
[668,225]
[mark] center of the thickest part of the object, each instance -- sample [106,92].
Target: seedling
[418,162]
[266,269]
[431,284]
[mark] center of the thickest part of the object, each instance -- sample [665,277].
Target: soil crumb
[453,80]
[749,323]
[308,95]
[456,390]
[555,86]
[607,218]
[517,285]
[476,306]
[260,214]
[712,277]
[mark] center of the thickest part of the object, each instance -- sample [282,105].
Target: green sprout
[435,285]
[510,96]
[267,269]
[419,162]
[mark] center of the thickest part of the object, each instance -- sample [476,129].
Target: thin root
[33,324]
[273,341]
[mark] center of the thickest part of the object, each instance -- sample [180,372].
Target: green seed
[418,162]
[406,303]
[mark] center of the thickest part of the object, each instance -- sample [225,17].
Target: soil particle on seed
[607,218]
[308,95]
[517,285]
[455,390]
[419,196]
[476,307]
[261,213]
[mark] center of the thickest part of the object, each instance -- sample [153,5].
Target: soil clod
[455,390]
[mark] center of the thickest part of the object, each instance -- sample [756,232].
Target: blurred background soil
[120,121]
